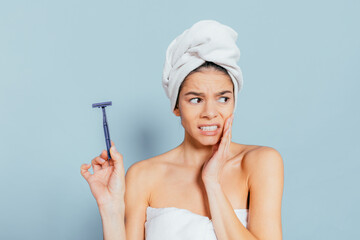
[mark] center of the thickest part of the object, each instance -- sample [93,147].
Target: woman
[200,189]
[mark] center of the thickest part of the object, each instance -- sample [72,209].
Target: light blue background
[300,61]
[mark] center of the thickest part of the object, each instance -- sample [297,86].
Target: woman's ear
[176,112]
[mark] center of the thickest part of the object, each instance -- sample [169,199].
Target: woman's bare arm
[266,188]
[137,194]
[107,184]
[113,223]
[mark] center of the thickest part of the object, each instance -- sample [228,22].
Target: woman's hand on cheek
[212,169]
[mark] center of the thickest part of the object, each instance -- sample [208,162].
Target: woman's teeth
[209,128]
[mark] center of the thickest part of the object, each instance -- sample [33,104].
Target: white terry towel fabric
[206,40]
[173,223]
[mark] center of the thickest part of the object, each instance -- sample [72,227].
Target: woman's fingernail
[102,160]
[114,148]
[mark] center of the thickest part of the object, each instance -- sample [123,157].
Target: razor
[103,105]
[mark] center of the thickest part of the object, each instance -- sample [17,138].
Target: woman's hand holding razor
[107,183]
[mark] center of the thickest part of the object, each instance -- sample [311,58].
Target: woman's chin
[208,141]
[202,139]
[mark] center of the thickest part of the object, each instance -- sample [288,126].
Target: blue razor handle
[106,127]
[106,132]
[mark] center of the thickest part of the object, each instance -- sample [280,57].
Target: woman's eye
[194,100]
[226,99]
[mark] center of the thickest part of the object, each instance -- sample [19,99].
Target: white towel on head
[206,40]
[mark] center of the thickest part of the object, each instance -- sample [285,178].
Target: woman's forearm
[113,223]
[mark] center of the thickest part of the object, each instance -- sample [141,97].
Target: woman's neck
[192,153]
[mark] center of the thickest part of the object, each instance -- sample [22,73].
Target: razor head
[102,104]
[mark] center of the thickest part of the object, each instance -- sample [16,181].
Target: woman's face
[206,100]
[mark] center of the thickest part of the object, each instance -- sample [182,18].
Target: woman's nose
[209,110]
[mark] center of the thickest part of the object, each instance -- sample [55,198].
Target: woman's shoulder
[252,155]
[258,152]
[145,174]
[154,165]
[259,160]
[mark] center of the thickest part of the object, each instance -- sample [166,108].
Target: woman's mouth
[209,130]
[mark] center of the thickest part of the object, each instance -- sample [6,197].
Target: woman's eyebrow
[202,94]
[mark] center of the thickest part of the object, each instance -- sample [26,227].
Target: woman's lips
[209,133]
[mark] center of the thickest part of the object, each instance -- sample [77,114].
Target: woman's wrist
[112,208]
[111,214]
[113,221]
[211,183]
